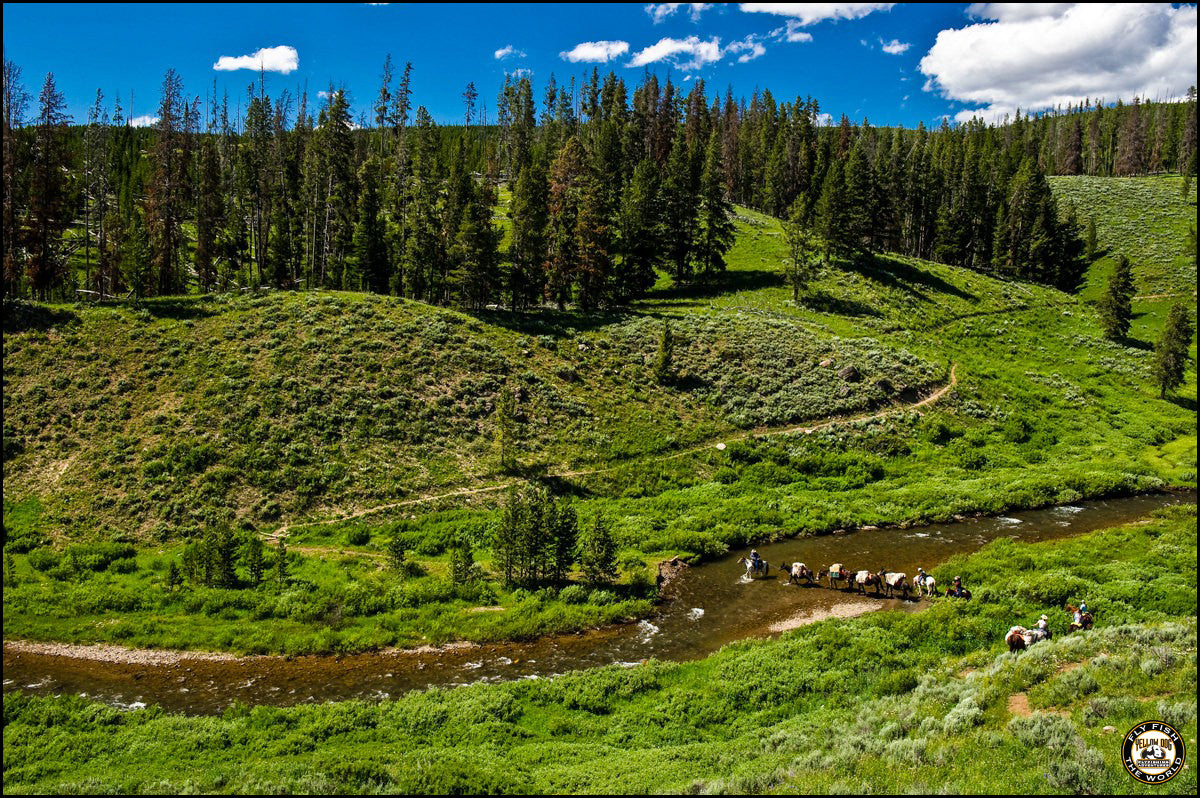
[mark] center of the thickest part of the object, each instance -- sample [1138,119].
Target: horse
[837,573]
[797,572]
[753,570]
[1037,635]
[1016,639]
[926,585]
[895,581]
[1085,619]
[1019,638]
[865,579]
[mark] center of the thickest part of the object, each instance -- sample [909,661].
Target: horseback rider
[1044,625]
[956,589]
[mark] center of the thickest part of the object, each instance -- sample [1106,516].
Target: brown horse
[837,573]
[895,581]
[865,579]
[796,572]
[1085,619]
[1015,638]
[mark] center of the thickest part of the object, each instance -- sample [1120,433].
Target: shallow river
[713,605]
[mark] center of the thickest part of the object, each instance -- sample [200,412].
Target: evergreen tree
[594,246]
[167,192]
[1116,307]
[476,253]
[14,99]
[208,215]
[716,228]
[680,211]
[598,553]
[564,524]
[804,260]
[641,230]
[50,196]
[1171,351]
[174,579]
[373,268]
[463,570]
[565,177]
[833,215]
[396,552]
[504,539]
[1089,247]
[859,196]
[253,553]
[527,252]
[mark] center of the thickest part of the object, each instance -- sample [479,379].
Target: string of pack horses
[888,583]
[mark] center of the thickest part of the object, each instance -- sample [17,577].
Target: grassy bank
[889,702]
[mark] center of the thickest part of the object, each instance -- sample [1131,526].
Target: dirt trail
[1145,297]
[807,428]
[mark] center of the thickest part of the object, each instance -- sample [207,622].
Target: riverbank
[711,607]
[886,702]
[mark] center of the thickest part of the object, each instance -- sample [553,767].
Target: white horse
[753,570]
[926,584]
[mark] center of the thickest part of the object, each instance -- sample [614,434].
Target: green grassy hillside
[345,421]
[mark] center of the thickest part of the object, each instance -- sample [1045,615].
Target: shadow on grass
[552,322]
[823,302]
[729,282]
[22,316]
[895,273]
[180,308]
[1186,402]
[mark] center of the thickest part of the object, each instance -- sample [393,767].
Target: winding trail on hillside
[794,429]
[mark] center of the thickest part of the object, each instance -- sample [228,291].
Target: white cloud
[507,51]
[791,32]
[749,47]
[1054,54]
[595,52]
[894,47]
[1016,12]
[521,72]
[324,95]
[812,13]
[824,119]
[143,121]
[667,49]
[281,59]
[660,11]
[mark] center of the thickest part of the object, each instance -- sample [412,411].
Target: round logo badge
[1153,752]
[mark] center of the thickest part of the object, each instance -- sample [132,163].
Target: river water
[713,604]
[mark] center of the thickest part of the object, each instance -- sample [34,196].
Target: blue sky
[891,63]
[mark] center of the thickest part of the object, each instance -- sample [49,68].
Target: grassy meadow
[348,420]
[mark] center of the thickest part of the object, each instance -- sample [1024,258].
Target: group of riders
[1019,638]
[924,582]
